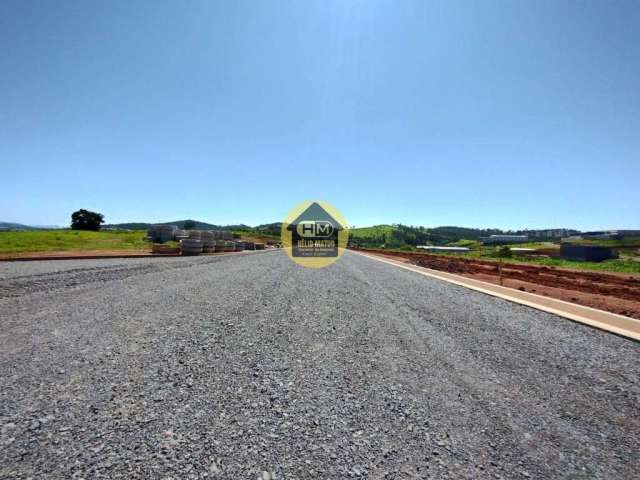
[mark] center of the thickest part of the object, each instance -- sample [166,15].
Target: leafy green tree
[189,225]
[86,220]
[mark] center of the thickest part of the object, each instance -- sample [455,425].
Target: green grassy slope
[62,240]
[372,232]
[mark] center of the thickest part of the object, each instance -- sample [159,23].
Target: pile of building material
[161,233]
[220,242]
[215,241]
[191,246]
[180,234]
[164,249]
[208,241]
[195,242]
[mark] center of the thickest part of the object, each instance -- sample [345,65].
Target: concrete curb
[611,322]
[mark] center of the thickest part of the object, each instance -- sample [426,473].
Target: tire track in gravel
[19,285]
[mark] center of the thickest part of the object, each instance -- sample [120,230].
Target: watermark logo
[314,234]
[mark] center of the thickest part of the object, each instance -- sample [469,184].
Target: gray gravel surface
[251,367]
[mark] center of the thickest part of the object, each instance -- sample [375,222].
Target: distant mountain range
[20,226]
[178,223]
[269,227]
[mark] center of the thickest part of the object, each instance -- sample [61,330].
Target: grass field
[464,243]
[627,263]
[66,240]
[621,265]
[371,232]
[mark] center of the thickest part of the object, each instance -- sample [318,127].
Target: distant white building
[598,235]
[601,235]
[432,248]
[497,239]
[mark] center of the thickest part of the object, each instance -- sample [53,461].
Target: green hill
[398,236]
[392,236]
[14,226]
[177,223]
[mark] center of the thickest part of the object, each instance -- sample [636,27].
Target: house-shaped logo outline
[315,212]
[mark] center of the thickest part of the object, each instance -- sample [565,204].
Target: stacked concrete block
[208,242]
[161,233]
[219,242]
[164,249]
[179,234]
[191,246]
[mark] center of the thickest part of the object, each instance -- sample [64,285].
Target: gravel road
[251,367]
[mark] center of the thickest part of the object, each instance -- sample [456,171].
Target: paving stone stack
[220,243]
[249,246]
[259,246]
[194,234]
[239,246]
[180,234]
[208,242]
[164,249]
[191,246]
[229,245]
[161,233]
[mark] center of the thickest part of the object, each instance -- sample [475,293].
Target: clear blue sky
[507,114]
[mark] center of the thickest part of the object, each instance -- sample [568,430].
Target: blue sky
[507,114]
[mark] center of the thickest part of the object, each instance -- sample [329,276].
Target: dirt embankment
[606,291]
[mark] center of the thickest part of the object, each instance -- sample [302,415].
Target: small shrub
[503,252]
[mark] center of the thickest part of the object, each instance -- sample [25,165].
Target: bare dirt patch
[616,293]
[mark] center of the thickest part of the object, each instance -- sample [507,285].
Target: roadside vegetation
[402,238]
[67,240]
[624,264]
[62,240]
[627,263]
